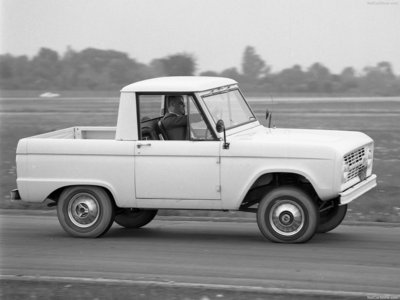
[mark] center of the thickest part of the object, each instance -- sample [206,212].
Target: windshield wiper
[218,91]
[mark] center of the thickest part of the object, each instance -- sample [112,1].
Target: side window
[179,116]
[149,107]
[198,127]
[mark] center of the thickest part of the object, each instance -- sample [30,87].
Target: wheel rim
[83,210]
[286,217]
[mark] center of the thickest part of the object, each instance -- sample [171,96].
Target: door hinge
[218,188]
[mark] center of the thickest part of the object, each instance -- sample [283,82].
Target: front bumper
[356,191]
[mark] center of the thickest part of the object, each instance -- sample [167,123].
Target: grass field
[24,117]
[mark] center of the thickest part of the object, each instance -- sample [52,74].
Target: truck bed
[80,133]
[75,156]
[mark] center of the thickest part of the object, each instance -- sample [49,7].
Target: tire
[85,211]
[331,218]
[287,215]
[135,218]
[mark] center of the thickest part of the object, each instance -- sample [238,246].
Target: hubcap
[83,210]
[286,217]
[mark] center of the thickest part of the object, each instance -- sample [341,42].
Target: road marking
[266,290]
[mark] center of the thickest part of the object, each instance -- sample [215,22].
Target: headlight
[345,172]
[369,156]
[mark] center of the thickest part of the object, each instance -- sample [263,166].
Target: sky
[336,33]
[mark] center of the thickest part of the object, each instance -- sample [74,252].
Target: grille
[354,161]
[354,157]
[355,172]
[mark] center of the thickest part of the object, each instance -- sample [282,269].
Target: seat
[162,130]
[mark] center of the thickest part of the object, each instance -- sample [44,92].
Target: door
[177,170]
[185,170]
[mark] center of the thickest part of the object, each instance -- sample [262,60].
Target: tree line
[94,69]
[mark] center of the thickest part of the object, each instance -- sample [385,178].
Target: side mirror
[220,127]
[268,115]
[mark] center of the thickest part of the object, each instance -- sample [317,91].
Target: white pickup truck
[297,181]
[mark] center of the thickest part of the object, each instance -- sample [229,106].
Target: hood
[305,142]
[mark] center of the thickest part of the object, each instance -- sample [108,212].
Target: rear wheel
[287,215]
[135,218]
[85,211]
[331,216]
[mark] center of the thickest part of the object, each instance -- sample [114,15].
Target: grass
[379,119]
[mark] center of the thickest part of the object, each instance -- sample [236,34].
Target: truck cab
[297,181]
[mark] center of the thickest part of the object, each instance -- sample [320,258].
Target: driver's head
[176,105]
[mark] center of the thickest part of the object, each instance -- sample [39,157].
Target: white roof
[178,84]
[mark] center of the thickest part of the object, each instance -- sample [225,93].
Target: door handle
[143,145]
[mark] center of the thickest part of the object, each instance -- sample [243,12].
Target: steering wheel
[148,133]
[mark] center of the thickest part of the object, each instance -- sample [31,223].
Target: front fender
[238,178]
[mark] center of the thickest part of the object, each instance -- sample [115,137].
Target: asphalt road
[352,260]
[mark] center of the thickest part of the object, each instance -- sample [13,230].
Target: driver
[175,121]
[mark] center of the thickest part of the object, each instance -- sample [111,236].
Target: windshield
[230,107]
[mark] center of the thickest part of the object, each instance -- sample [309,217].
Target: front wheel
[287,215]
[135,218]
[85,211]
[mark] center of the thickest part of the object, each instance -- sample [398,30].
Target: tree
[385,68]
[7,72]
[46,68]
[70,66]
[175,65]
[101,69]
[209,74]
[291,80]
[108,69]
[253,66]
[319,79]
[379,80]
[348,79]
[232,73]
